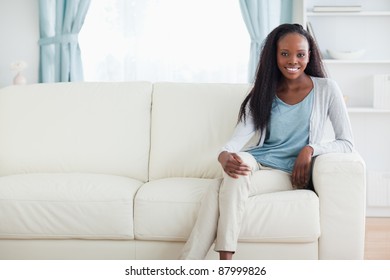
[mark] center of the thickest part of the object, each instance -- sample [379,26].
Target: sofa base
[142,250]
[74,249]
[151,250]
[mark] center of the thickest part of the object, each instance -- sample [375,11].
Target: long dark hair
[268,75]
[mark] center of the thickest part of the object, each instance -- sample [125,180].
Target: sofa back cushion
[76,127]
[190,124]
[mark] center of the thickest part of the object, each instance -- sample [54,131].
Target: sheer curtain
[165,40]
[260,18]
[60,22]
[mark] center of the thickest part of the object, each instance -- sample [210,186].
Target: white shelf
[348,14]
[367,110]
[360,61]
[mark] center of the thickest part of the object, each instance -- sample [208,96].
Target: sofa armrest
[340,183]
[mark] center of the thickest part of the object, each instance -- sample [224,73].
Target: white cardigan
[328,102]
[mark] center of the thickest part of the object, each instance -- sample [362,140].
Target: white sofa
[118,171]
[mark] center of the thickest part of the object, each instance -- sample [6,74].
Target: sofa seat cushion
[166,210]
[286,216]
[74,205]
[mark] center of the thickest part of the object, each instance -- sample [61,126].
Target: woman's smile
[292,69]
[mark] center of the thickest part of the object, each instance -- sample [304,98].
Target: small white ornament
[18,67]
[19,79]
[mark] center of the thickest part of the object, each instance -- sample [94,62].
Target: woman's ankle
[224,255]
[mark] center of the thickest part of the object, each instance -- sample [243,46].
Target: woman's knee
[248,159]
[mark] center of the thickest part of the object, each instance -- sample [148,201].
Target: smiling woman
[165,40]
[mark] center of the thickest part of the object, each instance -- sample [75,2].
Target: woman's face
[292,55]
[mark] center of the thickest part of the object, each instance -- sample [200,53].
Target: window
[165,40]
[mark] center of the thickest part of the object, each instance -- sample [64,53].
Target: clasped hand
[233,165]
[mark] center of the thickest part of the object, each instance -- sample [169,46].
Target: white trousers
[222,209]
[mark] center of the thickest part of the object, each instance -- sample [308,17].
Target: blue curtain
[60,23]
[260,17]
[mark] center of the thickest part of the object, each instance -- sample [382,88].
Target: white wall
[19,35]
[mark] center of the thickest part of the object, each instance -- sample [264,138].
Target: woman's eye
[300,55]
[284,54]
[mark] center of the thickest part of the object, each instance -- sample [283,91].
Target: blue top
[328,104]
[287,134]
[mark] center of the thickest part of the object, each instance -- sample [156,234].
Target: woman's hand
[301,172]
[233,165]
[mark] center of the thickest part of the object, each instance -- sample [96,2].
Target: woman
[289,105]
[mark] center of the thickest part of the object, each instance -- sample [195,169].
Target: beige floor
[377,245]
